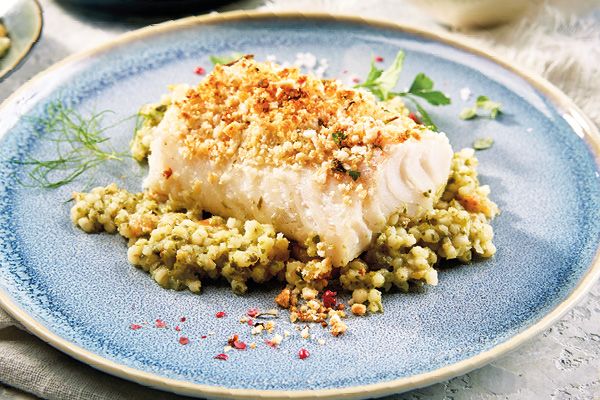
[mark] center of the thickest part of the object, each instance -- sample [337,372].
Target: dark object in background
[144,7]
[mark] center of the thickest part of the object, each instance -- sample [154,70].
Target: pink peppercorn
[303,353]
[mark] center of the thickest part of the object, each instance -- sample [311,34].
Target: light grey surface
[562,363]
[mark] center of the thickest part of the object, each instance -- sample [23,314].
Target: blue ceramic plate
[78,292]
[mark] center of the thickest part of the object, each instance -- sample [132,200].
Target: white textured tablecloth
[559,40]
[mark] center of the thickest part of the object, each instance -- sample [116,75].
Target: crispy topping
[263,114]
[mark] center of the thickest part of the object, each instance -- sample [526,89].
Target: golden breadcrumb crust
[262,114]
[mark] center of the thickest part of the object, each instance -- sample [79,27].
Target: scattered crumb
[274,341]
[269,326]
[257,330]
[338,327]
[283,298]
[305,333]
[358,309]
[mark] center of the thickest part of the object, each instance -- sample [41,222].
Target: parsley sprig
[483,143]
[484,103]
[382,82]
[224,59]
[338,137]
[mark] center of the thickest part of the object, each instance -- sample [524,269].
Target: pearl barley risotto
[261,173]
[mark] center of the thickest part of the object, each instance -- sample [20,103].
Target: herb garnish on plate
[381,83]
[79,142]
[484,103]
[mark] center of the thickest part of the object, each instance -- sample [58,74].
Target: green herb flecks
[354,174]
[338,137]
[217,60]
[338,166]
[482,103]
[381,83]
[483,143]
[79,144]
[154,115]
[468,113]
[422,86]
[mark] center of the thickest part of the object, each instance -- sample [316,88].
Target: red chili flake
[135,327]
[250,322]
[232,340]
[329,299]
[182,319]
[222,356]
[183,340]
[199,71]
[239,345]
[160,323]
[270,343]
[167,173]
[177,328]
[355,80]
[220,314]
[379,59]
[253,312]
[203,336]
[303,353]
[414,117]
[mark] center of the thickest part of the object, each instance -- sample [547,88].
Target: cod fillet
[314,158]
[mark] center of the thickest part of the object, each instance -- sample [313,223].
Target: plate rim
[9,69]
[587,131]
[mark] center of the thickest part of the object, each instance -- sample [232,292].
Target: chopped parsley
[381,82]
[468,113]
[216,60]
[482,103]
[339,167]
[483,143]
[354,174]
[338,137]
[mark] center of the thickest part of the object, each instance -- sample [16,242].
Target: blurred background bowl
[145,7]
[23,21]
[473,14]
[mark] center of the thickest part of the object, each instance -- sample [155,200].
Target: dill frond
[79,144]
